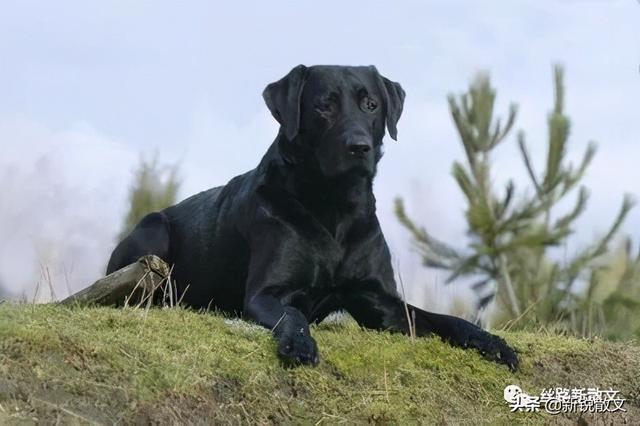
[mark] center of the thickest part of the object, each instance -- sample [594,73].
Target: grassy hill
[99,365]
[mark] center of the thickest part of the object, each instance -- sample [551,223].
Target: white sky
[86,86]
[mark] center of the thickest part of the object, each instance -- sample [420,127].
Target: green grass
[101,365]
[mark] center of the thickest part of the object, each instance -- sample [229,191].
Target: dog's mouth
[361,168]
[342,168]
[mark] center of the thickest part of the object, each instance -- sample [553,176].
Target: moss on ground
[100,365]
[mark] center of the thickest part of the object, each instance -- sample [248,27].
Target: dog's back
[199,240]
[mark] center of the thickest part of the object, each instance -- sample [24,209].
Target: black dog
[297,237]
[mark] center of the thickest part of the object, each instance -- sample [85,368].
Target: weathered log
[132,283]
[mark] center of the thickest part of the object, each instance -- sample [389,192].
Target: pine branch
[436,253]
[558,125]
[503,206]
[581,203]
[464,182]
[498,135]
[527,162]
[600,247]
[463,130]
[572,178]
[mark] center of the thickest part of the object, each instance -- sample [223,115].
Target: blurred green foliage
[154,188]
[595,292]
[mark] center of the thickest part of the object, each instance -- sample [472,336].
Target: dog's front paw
[491,347]
[298,348]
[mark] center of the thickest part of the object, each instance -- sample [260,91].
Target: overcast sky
[85,87]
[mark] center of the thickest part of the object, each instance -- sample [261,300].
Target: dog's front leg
[376,306]
[280,266]
[462,333]
[289,327]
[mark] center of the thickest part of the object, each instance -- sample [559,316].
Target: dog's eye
[368,104]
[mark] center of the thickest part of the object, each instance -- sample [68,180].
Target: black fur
[297,238]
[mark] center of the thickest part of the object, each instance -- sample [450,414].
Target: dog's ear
[283,100]
[393,97]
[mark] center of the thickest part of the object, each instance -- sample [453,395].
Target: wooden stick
[144,275]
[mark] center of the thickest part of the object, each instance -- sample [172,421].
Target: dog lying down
[297,238]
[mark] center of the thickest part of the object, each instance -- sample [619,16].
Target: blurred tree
[3,293]
[614,296]
[509,239]
[154,188]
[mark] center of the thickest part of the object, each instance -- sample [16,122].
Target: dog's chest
[318,243]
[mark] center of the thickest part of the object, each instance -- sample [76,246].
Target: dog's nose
[359,148]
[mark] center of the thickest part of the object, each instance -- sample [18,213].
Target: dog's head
[333,117]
